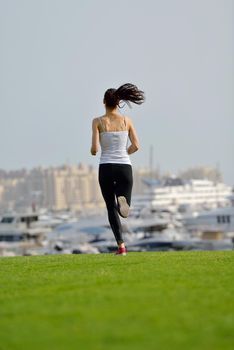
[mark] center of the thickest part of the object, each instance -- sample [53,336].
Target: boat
[20,227]
[176,194]
[214,220]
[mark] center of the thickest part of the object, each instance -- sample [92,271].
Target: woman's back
[112,122]
[114,140]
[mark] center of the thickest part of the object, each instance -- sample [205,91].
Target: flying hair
[126,92]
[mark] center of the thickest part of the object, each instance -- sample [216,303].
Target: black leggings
[115,180]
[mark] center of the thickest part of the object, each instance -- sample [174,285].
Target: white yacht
[19,227]
[175,193]
[214,220]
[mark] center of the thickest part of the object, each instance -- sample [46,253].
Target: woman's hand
[93,152]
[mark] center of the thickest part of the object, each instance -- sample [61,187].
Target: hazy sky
[57,58]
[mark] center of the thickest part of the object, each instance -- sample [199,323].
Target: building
[66,187]
[178,193]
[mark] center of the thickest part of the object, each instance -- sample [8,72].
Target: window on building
[7,220]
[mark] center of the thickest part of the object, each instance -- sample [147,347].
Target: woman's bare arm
[95,137]
[133,138]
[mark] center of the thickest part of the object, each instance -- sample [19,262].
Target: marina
[172,215]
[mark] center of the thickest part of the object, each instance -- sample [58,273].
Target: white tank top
[114,147]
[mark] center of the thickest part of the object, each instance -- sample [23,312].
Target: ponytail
[127,92]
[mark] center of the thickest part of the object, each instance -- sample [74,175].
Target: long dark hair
[127,93]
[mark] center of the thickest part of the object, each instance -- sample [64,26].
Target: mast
[151,161]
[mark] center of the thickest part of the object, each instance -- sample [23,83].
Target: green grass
[172,300]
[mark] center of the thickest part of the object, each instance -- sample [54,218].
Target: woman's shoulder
[128,120]
[96,120]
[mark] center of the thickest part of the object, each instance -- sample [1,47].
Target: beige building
[1,192]
[12,192]
[71,187]
[65,187]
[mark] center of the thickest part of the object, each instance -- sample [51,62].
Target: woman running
[112,131]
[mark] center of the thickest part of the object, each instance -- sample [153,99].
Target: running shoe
[121,251]
[123,206]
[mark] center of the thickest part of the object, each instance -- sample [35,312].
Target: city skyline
[76,187]
[58,58]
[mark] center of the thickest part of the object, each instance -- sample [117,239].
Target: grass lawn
[166,300]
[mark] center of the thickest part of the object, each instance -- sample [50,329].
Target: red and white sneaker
[121,251]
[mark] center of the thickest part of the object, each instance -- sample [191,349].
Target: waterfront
[170,215]
[164,231]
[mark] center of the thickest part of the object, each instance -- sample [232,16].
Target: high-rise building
[58,188]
